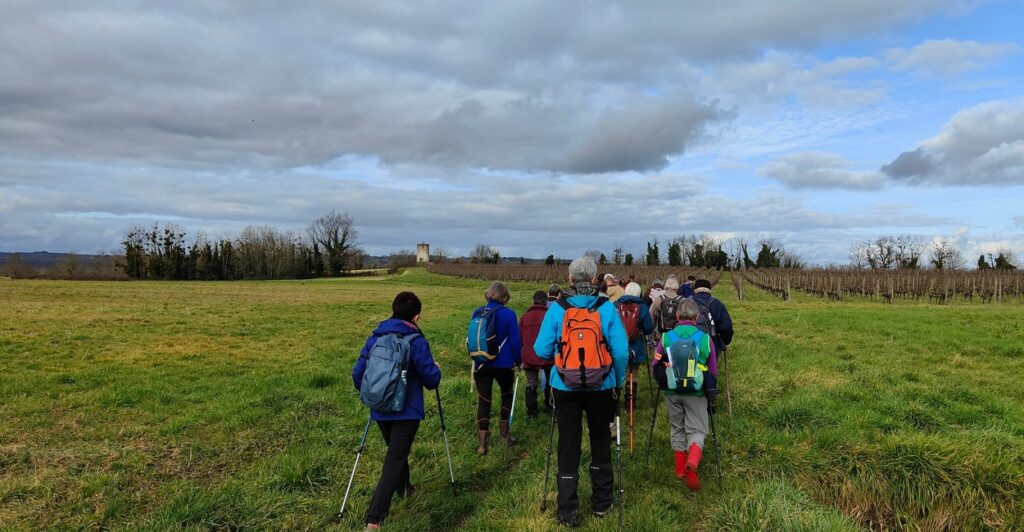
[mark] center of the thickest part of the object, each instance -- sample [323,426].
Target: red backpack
[630,314]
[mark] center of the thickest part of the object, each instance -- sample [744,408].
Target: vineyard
[539,273]
[987,286]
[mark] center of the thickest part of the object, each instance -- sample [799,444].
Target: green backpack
[687,364]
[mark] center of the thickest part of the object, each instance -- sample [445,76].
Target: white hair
[633,289]
[582,270]
[672,283]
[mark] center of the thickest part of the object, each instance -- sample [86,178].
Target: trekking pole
[359,453]
[547,466]
[632,406]
[650,435]
[714,440]
[728,393]
[512,411]
[618,454]
[650,380]
[444,431]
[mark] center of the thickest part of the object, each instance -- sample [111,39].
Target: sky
[535,127]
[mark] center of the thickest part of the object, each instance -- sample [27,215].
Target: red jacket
[529,326]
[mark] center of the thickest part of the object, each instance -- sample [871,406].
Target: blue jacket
[507,327]
[614,334]
[723,322]
[422,371]
[638,348]
[686,289]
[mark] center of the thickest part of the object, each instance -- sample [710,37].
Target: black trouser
[569,409]
[532,383]
[394,478]
[485,378]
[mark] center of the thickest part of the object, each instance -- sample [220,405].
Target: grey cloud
[979,146]
[814,170]
[947,57]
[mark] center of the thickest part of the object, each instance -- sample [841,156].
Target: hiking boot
[503,427]
[601,513]
[484,435]
[692,462]
[680,464]
[570,521]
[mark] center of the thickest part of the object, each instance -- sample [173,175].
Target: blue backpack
[686,373]
[384,382]
[482,336]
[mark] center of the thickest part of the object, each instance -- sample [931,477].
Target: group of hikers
[582,349]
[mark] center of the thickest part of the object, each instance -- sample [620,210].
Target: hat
[702,283]
[609,276]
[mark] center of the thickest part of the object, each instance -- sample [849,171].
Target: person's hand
[437,365]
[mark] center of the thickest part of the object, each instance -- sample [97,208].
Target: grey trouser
[688,420]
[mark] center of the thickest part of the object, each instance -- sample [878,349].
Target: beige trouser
[688,420]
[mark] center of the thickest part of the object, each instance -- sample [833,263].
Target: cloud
[979,146]
[815,170]
[947,57]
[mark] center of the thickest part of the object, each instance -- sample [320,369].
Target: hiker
[613,290]
[657,288]
[666,304]
[706,303]
[507,357]
[529,326]
[399,429]
[554,293]
[637,321]
[687,408]
[686,290]
[586,382]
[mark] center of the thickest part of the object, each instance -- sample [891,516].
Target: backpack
[384,382]
[667,317]
[583,360]
[482,336]
[686,372]
[704,320]
[630,314]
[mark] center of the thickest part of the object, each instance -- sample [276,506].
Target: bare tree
[908,249]
[483,253]
[859,255]
[945,255]
[336,235]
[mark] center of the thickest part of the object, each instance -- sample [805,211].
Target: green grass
[223,405]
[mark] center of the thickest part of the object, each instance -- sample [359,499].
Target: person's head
[554,291]
[672,284]
[610,279]
[687,310]
[702,284]
[498,292]
[582,270]
[657,283]
[633,289]
[690,278]
[540,297]
[406,306]
[623,282]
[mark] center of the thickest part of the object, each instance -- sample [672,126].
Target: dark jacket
[506,326]
[422,371]
[723,322]
[686,289]
[529,326]
[638,347]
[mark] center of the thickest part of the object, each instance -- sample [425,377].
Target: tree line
[328,248]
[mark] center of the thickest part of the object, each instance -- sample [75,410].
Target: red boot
[680,464]
[692,462]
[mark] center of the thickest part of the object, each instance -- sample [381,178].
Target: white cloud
[979,146]
[947,57]
[816,170]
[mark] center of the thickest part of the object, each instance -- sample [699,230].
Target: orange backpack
[583,360]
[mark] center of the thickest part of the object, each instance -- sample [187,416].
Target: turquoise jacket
[614,334]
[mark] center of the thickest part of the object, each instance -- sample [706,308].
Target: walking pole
[618,453]
[650,380]
[650,435]
[359,453]
[632,406]
[512,411]
[547,466]
[714,440]
[444,431]
[728,393]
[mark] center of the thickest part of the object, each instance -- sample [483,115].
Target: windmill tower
[422,253]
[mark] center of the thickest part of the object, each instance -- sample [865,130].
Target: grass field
[221,405]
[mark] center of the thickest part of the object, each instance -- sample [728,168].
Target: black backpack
[667,317]
[704,320]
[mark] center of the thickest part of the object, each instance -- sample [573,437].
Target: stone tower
[423,252]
